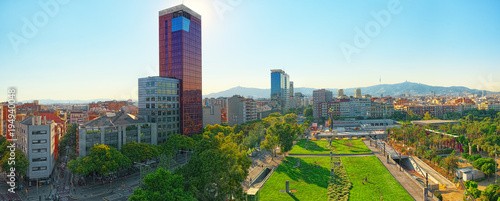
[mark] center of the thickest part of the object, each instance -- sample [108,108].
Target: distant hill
[415,89]
[52,101]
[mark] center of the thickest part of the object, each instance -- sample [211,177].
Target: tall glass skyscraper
[180,58]
[280,85]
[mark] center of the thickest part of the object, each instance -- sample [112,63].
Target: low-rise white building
[37,139]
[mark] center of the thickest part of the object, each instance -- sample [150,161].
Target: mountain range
[52,101]
[414,89]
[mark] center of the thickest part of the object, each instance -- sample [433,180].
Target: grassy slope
[311,183]
[338,146]
[380,181]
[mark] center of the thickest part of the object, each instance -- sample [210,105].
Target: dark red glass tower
[180,58]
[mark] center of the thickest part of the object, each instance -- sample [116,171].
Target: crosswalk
[9,196]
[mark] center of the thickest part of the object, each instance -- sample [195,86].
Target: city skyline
[75,55]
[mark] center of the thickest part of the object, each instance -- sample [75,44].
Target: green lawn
[338,146]
[350,147]
[313,147]
[380,181]
[310,183]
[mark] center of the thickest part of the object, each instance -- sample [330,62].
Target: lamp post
[140,172]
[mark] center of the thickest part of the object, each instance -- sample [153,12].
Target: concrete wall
[211,115]
[235,110]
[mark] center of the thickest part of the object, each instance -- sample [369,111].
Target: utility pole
[399,161]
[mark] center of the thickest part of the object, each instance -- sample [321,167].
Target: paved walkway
[328,155]
[257,166]
[441,179]
[415,190]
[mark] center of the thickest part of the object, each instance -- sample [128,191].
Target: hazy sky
[98,49]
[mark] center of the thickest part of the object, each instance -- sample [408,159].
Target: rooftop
[180,7]
[119,119]
[434,122]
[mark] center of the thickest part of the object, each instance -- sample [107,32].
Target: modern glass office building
[159,104]
[180,58]
[280,84]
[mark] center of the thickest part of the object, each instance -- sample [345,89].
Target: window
[147,98]
[39,150]
[39,159]
[38,132]
[39,141]
[147,105]
[39,168]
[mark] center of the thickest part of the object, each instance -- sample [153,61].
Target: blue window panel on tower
[180,23]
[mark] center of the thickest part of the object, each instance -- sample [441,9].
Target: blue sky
[98,49]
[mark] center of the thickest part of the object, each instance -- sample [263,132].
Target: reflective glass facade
[159,103]
[180,58]
[280,83]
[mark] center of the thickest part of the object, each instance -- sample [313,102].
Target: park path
[328,155]
[258,164]
[415,190]
[441,179]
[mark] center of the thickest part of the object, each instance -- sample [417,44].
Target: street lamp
[140,171]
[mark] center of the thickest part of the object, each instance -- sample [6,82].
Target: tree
[162,185]
[216,129]
[178,142]
[478,164]
[166,162]
[254,135]
[216,168]
[270,143]
[108,159]
[21,163]
[451,162]
[81,166]
[492,192]
[102,160]
[488,169]
[275,114]
[472,188]
[427,116]
[139,152]
[308,112]
[285,134]
[4,148]
[290,119]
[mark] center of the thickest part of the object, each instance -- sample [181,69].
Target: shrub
[481,161]
[438,196]
[474,157]
[469,184]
